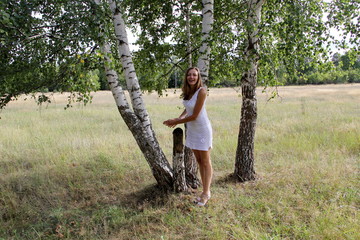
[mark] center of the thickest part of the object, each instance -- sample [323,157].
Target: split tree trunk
[191,168]
[178,161]
[137,120]
[244,163]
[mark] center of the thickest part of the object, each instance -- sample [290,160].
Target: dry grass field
[78,174]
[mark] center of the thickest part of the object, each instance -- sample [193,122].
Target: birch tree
[191,167]
[144,134]
[205,49]
[188,33]
[282,34]
[244,164]
[190,42]
[137,120]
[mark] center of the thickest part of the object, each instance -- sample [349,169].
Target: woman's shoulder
[202,90]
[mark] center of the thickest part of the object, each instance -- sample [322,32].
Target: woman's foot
[198,198]
[203,199]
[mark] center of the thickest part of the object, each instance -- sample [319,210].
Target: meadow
[78,173]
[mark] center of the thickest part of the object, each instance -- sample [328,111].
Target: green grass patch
[78,173]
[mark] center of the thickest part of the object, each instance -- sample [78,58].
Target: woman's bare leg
[205,167]
[207,171]
[198,159]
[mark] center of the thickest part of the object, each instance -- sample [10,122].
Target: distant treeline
[341,69]
[331,77]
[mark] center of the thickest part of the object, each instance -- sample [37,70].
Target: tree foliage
[48,45]
[52,45]
[344,16]
[162,39]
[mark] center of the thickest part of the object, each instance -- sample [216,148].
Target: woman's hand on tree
[171,122]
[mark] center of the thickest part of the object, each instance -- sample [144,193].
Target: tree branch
[178,62]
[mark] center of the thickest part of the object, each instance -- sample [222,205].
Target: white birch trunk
[129,69]
[137,120]
[244,163]
[206,28]
[188,34]
[113,80]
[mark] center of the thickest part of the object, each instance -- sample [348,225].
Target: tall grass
[78,174]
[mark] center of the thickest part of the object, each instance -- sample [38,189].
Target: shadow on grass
[72,198]
[232,179]
[154,196]
[151,195]
[224,180]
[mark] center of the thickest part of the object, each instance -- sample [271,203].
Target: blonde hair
[186,89]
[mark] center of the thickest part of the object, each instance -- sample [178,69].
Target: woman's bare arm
[183,114]
[198,106]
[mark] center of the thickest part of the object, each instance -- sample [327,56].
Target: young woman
[199,131]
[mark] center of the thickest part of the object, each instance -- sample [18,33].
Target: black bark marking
[121,42]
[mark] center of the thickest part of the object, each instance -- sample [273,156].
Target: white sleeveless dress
[199,131]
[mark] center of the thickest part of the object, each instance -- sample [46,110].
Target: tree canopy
[48,45]
[53,45]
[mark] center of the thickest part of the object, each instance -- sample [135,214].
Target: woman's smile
[192,77]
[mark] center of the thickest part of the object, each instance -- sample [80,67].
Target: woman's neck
[193,88]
